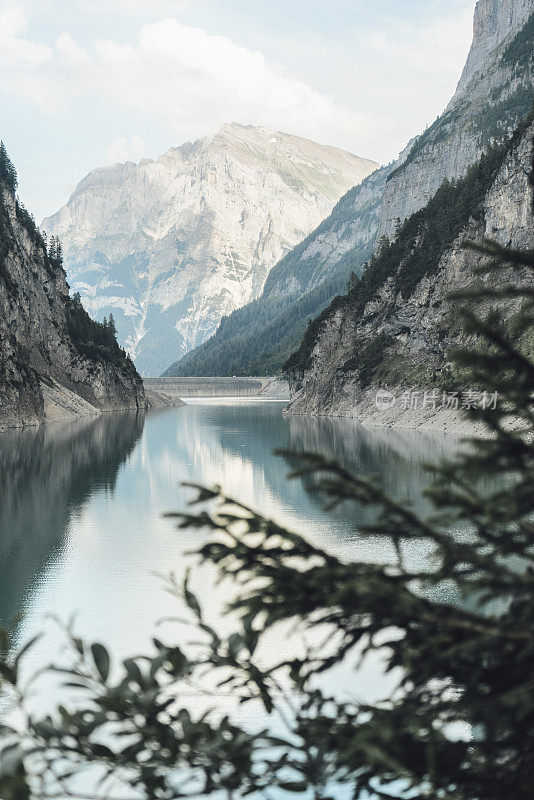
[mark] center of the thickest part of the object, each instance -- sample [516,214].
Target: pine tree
[52,249]
[8,174]
[59,252]
[457,633]
[112,327]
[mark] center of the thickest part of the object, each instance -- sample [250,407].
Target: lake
[82,530]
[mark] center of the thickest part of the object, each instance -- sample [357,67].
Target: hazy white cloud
[196,80]
[68,9]
[71,50]
[156,7]
[124,149]
[421,50]
[100,70]
[15,49]
[190,80]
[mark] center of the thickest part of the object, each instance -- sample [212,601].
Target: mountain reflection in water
[81,525]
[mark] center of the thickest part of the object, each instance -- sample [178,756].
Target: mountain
[258,338]
[493,95]
[171,246]
[55,362]
[396,327]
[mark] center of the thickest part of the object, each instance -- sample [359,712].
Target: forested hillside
[493,96]
[258,338]
[55,361]
[396,327]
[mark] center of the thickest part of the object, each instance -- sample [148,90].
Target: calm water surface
[81,505]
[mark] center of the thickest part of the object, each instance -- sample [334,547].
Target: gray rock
[42,374]
[422,326]
[173,245]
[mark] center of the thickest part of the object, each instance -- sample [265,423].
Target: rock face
[396,328]
[401,338]
[43,372]
[494,94]
[170,246]
[495,21]
[258,338]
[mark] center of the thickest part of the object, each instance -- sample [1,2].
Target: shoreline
[63,405]
[364,410]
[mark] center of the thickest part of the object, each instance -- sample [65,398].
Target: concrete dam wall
[269,388]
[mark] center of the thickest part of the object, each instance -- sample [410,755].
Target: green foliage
[8,179]
[93,339]
[521,47]
[456,633]
[419,245]
[8,173]
[368,357]
[28,223]
[258,338]
[6,236]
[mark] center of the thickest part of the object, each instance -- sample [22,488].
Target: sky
[84,84]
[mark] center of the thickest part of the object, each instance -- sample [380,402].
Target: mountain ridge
[171,245]
[396,328]
[494,93]
[55,362]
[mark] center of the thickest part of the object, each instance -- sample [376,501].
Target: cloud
[126,150]
[189,80]
[14,48]
[155,7]
[71,50]
[368,86]
[421,50]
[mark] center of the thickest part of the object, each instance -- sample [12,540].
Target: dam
[267,388]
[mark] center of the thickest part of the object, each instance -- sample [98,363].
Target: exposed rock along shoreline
[63,405]
[365,410]
[396,328]
[55,362]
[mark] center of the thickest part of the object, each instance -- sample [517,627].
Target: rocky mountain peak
[172,245]
[494,21]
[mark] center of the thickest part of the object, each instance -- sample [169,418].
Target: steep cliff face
[494,94]
[258,338]
[396,327]
[171,246]
[44,371]
[494,22]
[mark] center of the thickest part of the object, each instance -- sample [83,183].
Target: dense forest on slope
[91,338]
[259,337]
[94,339]
[415,253]
[54,359]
